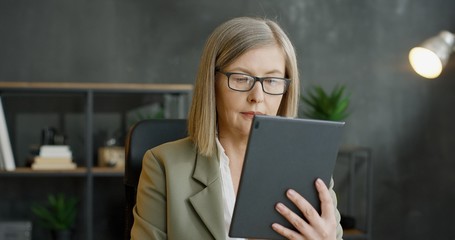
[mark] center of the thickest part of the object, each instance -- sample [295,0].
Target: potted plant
[58,215]
[331,106]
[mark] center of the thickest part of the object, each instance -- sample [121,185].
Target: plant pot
[61,234]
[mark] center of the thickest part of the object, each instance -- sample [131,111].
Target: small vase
[61,234]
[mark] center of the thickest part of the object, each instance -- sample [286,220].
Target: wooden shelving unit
[28,172]
[359,195]
[98,186]
[80,171]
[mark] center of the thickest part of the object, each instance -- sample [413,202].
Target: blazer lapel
[208,202]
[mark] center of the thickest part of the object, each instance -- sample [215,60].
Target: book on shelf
[52,160]
[5,145]
[55,151]
[53,157]
[53,166]
[54,148]
[17,230]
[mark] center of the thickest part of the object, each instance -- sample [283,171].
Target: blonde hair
[226,43]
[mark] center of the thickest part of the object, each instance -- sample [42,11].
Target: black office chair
[142,136]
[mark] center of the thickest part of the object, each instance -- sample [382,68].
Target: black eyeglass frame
[257,79]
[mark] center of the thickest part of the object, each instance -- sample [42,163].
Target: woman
[187,188]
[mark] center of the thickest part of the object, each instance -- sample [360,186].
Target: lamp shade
[432,55]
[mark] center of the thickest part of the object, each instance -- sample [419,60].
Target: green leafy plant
[331,106]
[58,214]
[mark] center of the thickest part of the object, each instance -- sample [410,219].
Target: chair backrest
[145,135]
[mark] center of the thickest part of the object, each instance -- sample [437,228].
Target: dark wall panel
[406,120]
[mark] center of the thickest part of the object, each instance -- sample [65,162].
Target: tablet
[282,153]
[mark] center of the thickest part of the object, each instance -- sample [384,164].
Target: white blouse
[227,189]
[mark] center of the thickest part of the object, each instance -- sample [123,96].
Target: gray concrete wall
[406,120]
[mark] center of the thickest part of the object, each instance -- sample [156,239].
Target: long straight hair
[226,43]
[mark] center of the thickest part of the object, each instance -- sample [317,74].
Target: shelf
[80,171]
[353,233]
[28,172]
[108,87]
[356,161]
[107,172]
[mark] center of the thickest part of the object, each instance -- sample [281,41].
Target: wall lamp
[429,58]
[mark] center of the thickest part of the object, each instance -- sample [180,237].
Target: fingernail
[279,206]
[319,181]
[275,226]
[291,192]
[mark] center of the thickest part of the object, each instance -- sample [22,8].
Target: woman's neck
[235,150]
[234,147]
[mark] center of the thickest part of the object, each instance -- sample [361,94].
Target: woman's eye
[242,79]
[271,81]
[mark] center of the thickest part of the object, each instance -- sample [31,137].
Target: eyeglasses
[243,83]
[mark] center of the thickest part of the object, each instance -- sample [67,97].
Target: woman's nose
[256,94]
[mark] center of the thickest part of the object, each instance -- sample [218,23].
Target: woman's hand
[316,226]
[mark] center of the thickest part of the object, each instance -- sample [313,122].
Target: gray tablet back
[282,153]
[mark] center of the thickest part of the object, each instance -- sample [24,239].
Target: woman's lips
[251,114]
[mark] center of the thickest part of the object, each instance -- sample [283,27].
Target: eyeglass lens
[242,82]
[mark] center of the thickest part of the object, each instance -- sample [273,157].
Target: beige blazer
[179,195]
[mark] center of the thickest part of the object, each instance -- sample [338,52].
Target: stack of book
[54,157]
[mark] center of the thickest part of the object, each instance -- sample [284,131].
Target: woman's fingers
[326,200]
[286,232]
[300,224]
[303,205]
[314,226]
